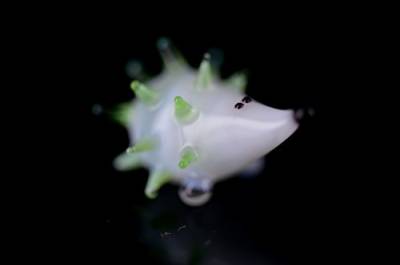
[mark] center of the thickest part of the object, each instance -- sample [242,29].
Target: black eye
[246,99]
[239,105]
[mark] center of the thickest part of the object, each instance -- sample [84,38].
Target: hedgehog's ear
[205,75]
[172,58]
[238,81]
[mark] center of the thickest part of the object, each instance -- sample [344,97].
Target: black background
[296,211]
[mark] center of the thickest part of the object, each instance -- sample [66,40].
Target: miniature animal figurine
[191,128]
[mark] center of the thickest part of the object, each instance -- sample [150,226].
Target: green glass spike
[204,77]
[184,112]
[188,156]
[148,96]
[156,180]
[125,162]
[238,81]
[172,58]
[142,145]
[122,113]
[134,69]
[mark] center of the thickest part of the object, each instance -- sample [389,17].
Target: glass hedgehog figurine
[190,128]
